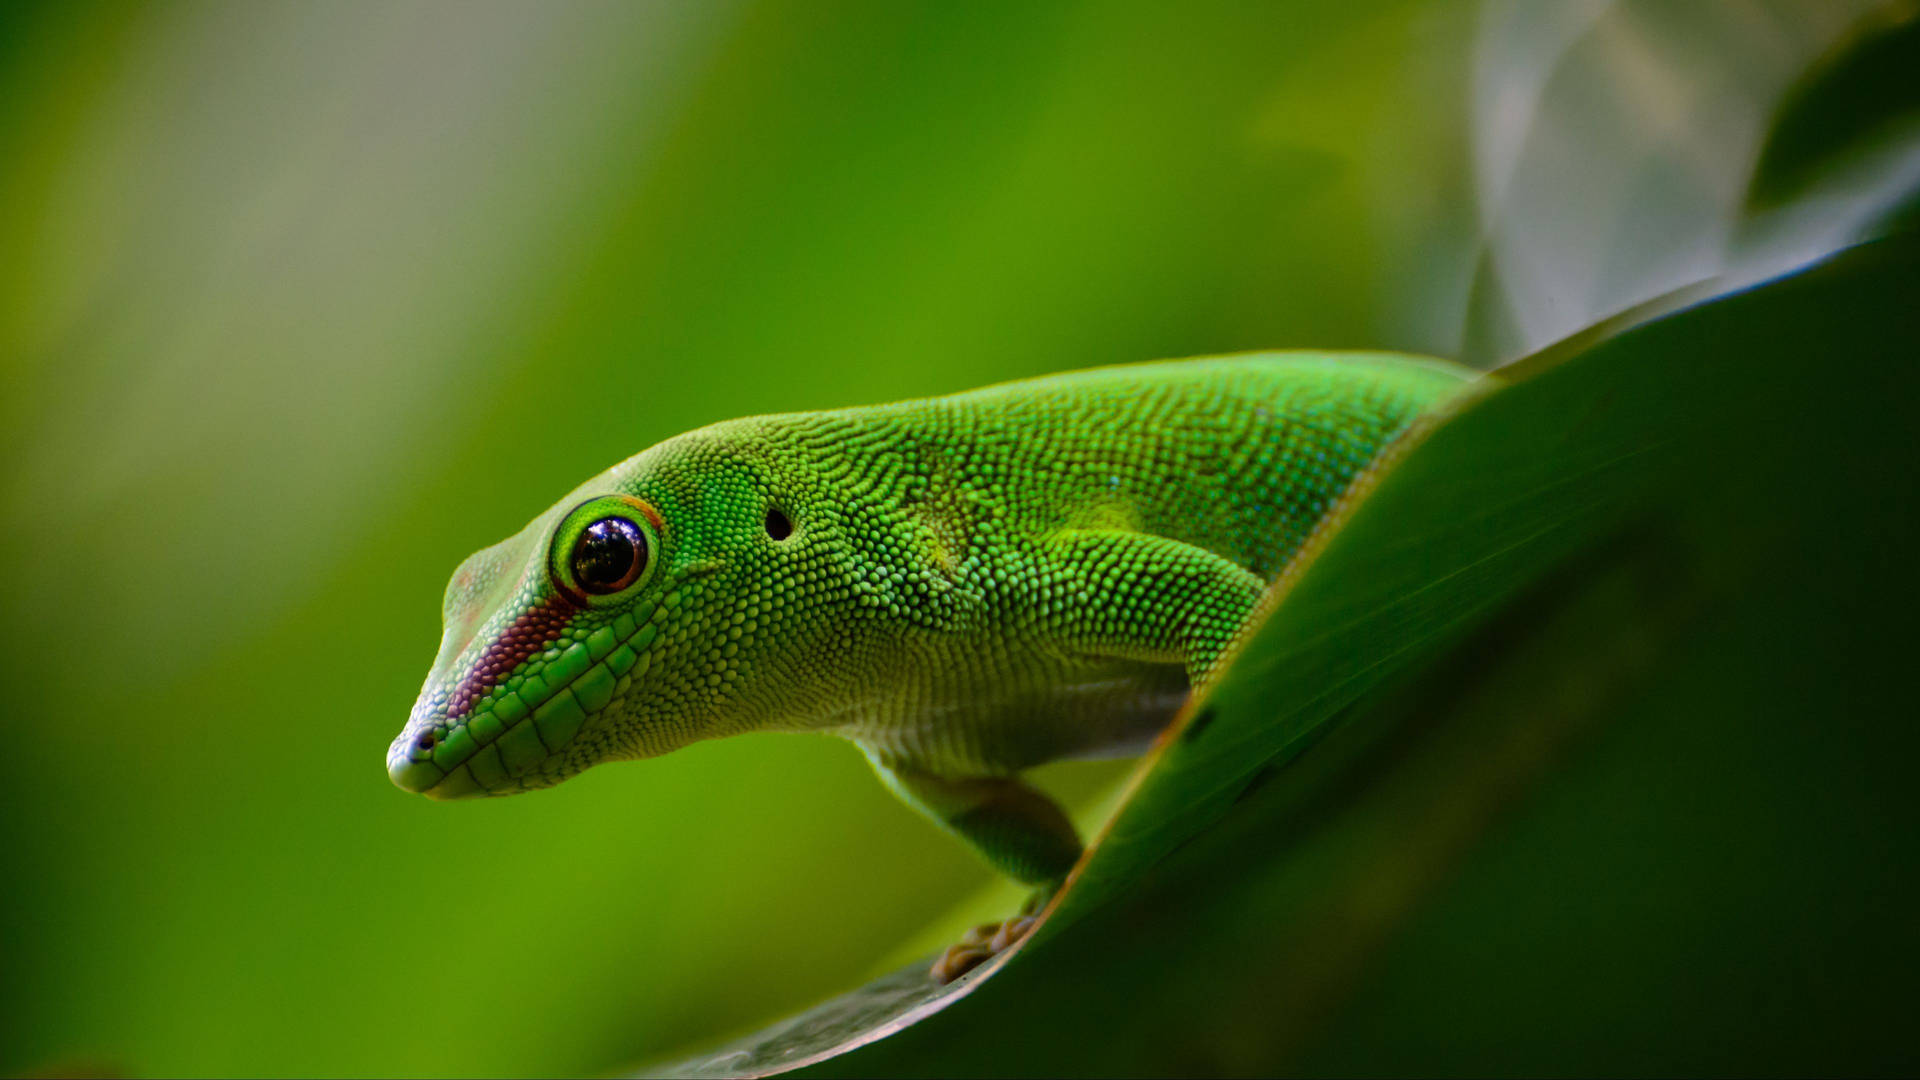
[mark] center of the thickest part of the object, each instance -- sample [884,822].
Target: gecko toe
[978,945]
[1011,931]
[958,960]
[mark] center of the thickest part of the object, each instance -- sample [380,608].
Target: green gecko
[964,586]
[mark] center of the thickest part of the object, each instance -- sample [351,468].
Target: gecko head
[602,630]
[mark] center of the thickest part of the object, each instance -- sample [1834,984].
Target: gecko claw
[978,945]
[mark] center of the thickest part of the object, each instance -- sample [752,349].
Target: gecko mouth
[507,739]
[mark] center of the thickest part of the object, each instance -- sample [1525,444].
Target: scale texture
[964,586]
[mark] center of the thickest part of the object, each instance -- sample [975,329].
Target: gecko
[963,587]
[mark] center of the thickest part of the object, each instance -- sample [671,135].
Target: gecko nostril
[425,740]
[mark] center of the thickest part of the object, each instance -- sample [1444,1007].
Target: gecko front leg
[1151,598]
[1146,598]
[1016,829]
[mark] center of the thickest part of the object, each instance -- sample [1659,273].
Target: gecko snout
[414,766]
[429,779]
[408,767]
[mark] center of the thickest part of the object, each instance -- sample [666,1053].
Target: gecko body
[963,586]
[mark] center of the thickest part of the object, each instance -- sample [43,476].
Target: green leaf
[1557,586]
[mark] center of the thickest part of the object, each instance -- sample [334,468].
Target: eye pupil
[779,525]
[609,555]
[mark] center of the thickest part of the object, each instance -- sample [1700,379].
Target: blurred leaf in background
[304,302]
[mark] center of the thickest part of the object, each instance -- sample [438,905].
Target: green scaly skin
[971,585]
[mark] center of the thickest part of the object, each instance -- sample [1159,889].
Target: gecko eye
[603,550]
[609,555]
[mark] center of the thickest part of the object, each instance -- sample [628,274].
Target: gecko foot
[979,945]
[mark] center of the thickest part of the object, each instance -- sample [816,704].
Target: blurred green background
[303,302]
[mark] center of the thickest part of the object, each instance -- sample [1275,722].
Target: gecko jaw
[513,735]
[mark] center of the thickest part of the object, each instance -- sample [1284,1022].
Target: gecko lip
[419,762]
[439,781]
[418,777]
[515,733]
[413,767]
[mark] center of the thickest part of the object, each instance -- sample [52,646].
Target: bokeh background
[303,302]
